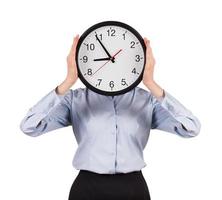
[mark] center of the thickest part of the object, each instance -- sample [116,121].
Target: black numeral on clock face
[99,80]
[134,71]
[138,58]
[90,47]
[132,44]
[123,81]
[89,71]
[101,36]
[124,35]
[111,32]
[111,84]
[84,59]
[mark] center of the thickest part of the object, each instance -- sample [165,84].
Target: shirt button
[170,107]
[51,104]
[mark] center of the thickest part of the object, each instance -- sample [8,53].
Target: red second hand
[116,53]
[107,61]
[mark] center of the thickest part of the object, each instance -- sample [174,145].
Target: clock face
[110,58]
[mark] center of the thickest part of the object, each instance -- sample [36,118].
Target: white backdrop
[35,38]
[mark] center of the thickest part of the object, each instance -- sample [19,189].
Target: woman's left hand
[148,79]
[150,62]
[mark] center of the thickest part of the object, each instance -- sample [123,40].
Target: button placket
[115,135]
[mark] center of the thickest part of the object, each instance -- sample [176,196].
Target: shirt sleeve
[171,116]
[49,113]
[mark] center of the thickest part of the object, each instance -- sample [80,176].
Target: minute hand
[112,59]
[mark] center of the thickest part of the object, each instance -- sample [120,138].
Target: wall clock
[110,58]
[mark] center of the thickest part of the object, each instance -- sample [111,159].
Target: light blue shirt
[111,132]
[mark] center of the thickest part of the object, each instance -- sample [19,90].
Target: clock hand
[116,53]
[101,59]
[107,61]
[105,49]
[100,67]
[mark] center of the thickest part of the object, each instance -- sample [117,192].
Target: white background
[35,38]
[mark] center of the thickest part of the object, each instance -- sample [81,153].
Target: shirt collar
[114,97]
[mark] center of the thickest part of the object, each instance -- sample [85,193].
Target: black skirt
[89,185]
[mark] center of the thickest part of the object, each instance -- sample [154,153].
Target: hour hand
[101,59]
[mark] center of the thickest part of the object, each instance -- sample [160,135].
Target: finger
[74,44]
[75,38]
[146,41]
[75,41]
[149,49]
[149,53]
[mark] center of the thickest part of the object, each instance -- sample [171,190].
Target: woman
[111,131]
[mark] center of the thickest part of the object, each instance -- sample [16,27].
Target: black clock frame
[91,29]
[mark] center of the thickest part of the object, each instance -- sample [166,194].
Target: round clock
[110,58]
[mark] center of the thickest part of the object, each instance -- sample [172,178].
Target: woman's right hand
[72,73]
